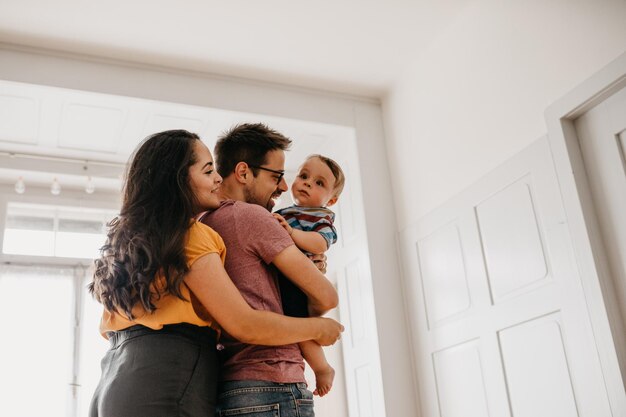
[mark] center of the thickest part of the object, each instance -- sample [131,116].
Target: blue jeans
[264,399]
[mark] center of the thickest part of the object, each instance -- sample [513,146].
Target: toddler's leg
[324,373]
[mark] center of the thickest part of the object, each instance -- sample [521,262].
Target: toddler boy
[318,185]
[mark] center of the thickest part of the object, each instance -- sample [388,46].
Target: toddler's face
[314,185]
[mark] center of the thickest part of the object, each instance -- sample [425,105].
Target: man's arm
[273,244]
[301,271]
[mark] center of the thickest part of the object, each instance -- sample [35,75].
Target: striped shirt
[311,219]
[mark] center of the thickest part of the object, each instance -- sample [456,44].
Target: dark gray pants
[158,373]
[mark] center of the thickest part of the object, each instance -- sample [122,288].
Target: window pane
[61,231]
[36,359]
[29,223]
[28,242]
[79,245]
[81,226]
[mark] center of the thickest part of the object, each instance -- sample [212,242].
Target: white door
[601,134]
[499,321]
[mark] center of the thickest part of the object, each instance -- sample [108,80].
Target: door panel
[511,241]
[445,278]
[460,380]
[536,368]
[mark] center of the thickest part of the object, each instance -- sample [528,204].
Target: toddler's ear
[332,201]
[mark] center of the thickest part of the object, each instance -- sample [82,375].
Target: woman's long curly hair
[147,239]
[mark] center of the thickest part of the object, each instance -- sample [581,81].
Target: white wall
[477,96]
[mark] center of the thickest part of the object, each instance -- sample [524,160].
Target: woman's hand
[331,331]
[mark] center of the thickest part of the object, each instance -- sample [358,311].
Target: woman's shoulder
[201,240]
[201,233]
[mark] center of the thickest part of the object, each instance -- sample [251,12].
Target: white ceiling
[350,46]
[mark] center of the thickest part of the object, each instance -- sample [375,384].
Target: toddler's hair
[340,179]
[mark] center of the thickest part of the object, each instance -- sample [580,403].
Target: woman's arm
[301,271]
[212,286]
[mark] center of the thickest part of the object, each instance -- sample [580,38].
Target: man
[258,379]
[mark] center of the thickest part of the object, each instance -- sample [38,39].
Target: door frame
[607,322]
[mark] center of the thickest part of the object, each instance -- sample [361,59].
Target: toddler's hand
[319,261]
[283,223]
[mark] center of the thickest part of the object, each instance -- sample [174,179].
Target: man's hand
[319,261]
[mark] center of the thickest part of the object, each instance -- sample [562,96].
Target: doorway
[68,130]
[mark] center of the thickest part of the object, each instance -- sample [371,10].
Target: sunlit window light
[58,231]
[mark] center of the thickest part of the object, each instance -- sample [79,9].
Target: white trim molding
[607,322]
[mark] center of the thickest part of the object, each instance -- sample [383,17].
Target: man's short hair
[249,143]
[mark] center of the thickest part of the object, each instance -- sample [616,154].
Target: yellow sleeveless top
[201,240]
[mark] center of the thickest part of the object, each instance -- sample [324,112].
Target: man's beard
[251,198]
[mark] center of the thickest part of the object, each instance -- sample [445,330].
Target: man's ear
[242,174]
[332,201]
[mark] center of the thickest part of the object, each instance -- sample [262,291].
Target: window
[58,231]
[51,349]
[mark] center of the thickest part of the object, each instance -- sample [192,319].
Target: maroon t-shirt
[253,238]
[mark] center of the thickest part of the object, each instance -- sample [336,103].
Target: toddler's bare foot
[324,381]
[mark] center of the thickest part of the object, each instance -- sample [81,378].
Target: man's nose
[282,185]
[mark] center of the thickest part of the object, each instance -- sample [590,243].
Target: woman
[166,294]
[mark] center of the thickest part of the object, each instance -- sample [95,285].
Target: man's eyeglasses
[280,174]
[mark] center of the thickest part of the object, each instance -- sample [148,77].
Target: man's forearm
[300,270]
